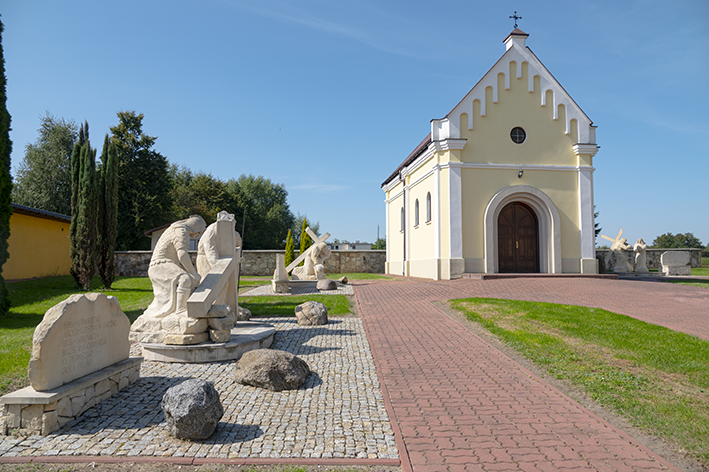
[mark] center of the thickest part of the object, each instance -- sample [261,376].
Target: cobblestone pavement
[340,412]
[268,290]
[460,404]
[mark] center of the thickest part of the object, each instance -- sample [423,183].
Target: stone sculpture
[172,274]
[192,409]
[618,248]
[208,255]
[271,369]
[79,336]
[640,258]
[178,315]
[311,314]
[676,263]
[314,268]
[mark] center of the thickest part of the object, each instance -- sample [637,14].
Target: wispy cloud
[376,38]
[319,188]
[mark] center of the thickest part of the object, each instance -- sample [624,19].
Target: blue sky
[329,97]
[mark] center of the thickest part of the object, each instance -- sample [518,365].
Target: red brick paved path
[461,404]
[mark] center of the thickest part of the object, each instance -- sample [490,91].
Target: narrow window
[402,218]
[416,213]
[428,207]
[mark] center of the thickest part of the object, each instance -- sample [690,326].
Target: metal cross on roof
[516,18]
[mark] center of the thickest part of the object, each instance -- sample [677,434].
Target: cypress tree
[5,178]
[305,239]
[107,212]
[290,249]
[83,232]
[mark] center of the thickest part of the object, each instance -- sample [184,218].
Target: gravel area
[339,412]
[267,290]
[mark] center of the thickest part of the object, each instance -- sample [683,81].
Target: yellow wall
[489,140]
[38,247]
[395,238]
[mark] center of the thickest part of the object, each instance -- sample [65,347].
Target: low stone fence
[263,263]
[653,256]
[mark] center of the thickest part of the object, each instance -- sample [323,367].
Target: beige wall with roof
[38,247]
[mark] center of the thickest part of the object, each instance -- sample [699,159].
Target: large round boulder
[311,314]
[192,409]
[271,369]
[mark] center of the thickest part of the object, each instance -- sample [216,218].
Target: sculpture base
[246,336]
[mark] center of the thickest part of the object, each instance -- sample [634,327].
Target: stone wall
[653,256]
[263,263]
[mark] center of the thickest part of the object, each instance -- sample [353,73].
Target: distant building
[38,244]
[348,246]
[155,233]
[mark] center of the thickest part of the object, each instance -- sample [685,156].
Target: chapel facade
[503,183]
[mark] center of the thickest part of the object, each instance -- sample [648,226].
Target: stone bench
[29,412]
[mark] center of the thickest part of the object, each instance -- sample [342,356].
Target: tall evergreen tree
[305,240]
[107,212]
[5,178]
[290,249]
[144,201]
[84,207]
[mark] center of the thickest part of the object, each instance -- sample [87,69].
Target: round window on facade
[518,135]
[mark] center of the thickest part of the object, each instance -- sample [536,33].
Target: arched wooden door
[517,239]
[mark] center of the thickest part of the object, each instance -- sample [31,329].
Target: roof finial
[516,18]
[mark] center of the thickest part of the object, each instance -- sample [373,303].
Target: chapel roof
[423,145]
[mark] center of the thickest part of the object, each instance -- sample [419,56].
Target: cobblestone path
[340,413]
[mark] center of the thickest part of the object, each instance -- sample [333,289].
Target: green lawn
[32,298]
[284,305]
[700,271]
[655,377]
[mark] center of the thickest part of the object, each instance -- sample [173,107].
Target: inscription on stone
[80,335]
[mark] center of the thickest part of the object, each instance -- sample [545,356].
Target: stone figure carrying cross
[314,257]
[618,247]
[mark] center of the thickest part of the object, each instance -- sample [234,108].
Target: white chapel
[503,183]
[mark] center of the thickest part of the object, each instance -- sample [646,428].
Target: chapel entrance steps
[536,276]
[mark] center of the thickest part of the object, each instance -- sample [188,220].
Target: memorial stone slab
[82,334]
[676,263]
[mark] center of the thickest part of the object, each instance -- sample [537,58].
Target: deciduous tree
[198,194]
[43,178]
[5,178]
[679,240]
[268,217]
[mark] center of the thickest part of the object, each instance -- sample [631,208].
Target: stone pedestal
[280,286]
[29,412]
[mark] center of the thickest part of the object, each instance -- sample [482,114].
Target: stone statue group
[191,305]
[617,258]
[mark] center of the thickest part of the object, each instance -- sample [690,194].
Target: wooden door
[517,239]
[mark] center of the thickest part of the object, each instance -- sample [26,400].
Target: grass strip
[655,377]
[32,298]
[284,305]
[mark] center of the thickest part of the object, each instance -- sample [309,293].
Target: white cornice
[484,165]
[586,148]
[454,144]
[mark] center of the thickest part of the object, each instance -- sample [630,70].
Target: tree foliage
[290,249]
[144,200]
[268,217]
[679,240]
[83,229]
[43,178]
[198,194]
[5,178]
[380,243]
[305,240]
[298,228]
[107,212]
